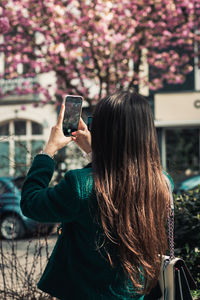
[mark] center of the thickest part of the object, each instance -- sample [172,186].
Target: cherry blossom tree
[4,25]
[94,46]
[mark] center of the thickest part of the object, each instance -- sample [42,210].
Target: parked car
[187,184]
[13,224]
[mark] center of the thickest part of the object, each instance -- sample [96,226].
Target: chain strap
[170,222]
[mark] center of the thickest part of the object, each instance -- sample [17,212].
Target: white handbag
[175,279]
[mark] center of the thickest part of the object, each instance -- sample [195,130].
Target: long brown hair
[131,190]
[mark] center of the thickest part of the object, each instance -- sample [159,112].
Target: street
[21,265]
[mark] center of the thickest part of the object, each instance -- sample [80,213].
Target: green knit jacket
[77,268]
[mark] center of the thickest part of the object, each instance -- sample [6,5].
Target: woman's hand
[57,139]
[82,137]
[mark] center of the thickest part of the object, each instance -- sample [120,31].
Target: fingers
[83,139]
[75,137]
[78,133]
[61,116]
[82,125]
[81,128]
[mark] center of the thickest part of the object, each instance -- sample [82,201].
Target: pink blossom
[166,33]
[4,25]
[85,44]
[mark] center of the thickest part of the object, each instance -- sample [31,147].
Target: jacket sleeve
[49,204]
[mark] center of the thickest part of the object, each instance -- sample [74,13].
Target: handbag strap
[170,221]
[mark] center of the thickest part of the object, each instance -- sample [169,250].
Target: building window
[20,153]
[20,141]
[4,129]
[20,127]
[36,146]
[183,152]
[36,128]
[4,158]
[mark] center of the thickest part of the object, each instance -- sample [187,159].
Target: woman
[113,215]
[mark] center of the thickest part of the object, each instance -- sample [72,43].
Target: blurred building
[24,128]
[177,119]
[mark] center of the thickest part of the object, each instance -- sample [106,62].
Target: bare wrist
[49,150]
[45,153]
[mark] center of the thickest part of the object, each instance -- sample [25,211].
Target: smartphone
[73,108]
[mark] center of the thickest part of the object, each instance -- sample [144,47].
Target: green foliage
[196,295]
[187,231]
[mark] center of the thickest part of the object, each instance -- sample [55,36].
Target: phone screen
[73,107]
